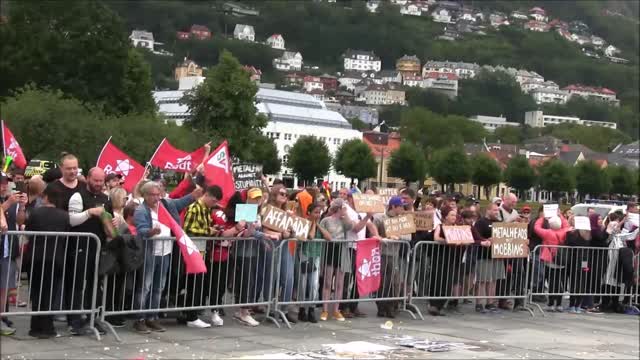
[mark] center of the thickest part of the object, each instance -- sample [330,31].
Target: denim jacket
[144,224]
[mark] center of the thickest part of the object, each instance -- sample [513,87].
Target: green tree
[485,172]
[309,158]
[556,176]
[81,48]
[519,174]
[266,153]
[450,166]
[223,106]
[358,124]
[407,163]
[509,135]
[622,181]
[355,160]
[591,179]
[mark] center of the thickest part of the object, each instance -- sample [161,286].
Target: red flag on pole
[217,171]
[368,263]
[190,253]
[114,160]
[12,148]
[167,157]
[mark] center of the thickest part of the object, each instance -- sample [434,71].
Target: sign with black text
[368,203]
[509,240]
[457,235]
[280,220]
[399,225]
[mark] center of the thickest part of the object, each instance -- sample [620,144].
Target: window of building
[287,148]
[287,136]
[285,160]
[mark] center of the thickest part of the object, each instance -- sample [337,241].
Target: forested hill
[322,31]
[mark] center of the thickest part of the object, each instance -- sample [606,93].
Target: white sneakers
[199,324]
[246,319]
[216,320]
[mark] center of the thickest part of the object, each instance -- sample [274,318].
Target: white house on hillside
[141,38]
[372,6]
[276,41]
[441,15]
[289,61]
[359,60]
[411,9]
[244,32]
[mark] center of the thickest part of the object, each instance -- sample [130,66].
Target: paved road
[496,336]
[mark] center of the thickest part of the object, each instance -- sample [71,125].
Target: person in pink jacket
[553,232]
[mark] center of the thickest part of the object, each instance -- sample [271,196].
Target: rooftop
[584,88]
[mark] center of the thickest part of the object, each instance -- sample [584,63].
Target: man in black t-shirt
[488,270]
[68,184]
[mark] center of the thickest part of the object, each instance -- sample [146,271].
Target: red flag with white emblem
[167,157]
[12,148]
[368,263]
[114,160]
[190,254]
[217,171]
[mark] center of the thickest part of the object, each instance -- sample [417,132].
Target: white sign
[634,218]
[581,223]
[550,210]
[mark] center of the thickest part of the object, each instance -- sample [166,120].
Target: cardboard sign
[386,194]
[365,203]
[550,210]
[423,220]
[280,220]
[634,218]
[246,212]
[509,240]
[581,223]
[457,234]
[399,225]
[247,176]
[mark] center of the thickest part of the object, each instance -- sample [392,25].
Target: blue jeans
[155,273]
[538,273]
[308,285]
[286,272]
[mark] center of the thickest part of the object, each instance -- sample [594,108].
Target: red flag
[12,148]
[368,263]
[190,253]
[168,157]
[217,171]
[113,160]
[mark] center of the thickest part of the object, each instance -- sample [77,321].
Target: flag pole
[101,151]
[154,153]
[4,144]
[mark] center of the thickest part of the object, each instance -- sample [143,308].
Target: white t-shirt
[161,248]
[353,236]
[508,217]
[437,215]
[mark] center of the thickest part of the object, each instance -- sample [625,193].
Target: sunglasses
[282,193]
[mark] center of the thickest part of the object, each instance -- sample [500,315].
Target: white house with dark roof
[244,32]
[289,61]
[142,38]
[360,60]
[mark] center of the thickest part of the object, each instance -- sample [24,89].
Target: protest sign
[246,212]
[280,220]
[550,210]
[247,176]
[509,240]
[581,223]
[399,225]
[387,193]
[458,234]
[423,220]
[366,203]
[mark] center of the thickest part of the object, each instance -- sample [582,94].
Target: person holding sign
[392,273]
[448,271]
[337,260]
[488,270]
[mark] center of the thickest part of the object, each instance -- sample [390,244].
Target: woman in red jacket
[552,235]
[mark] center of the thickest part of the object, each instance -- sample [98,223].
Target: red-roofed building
[440,75]
[183,35]
[382,145]
[442,82]
[538,13]
[312,83]
[295,78]
[276,41]
[200,32]
[535,25]
[255,74]
[588,92]
[329,82]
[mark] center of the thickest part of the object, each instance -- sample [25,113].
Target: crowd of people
[146,275]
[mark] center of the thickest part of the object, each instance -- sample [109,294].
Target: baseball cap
[396,201]
[112,176]
[496,199]
[254,193]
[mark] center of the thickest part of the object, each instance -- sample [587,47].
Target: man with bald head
[514,281]
[508,212]
[86,207]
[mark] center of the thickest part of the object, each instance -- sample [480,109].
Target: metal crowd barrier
[442,273]
[588,275]
[301,265]
[62,276]
[237,270]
